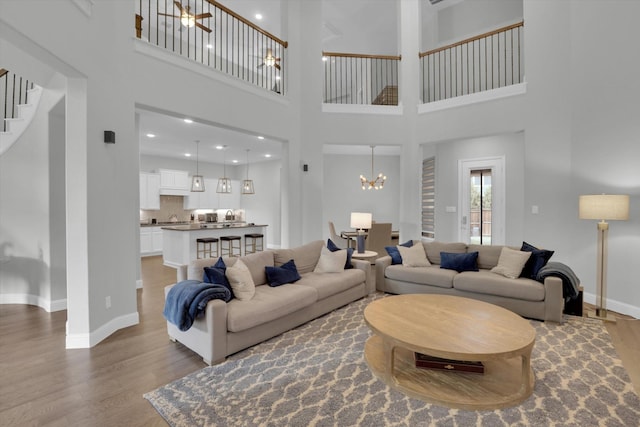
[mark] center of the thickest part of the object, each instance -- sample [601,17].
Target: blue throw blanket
[570,281]
[188,299]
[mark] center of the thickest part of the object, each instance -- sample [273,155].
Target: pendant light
[376,183]
[197,180]
[247,184]
[224,183]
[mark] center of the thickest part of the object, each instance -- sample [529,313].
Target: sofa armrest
[554,301]
[208,334]
[369,279]
[381,264]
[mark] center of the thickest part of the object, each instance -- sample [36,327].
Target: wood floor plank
[44,384]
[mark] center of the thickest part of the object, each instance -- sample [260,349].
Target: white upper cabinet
[149,191]
[174,182]
[205,200]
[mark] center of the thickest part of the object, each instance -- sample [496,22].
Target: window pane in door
[480,207]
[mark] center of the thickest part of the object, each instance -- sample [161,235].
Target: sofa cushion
[511,262]
[433,275]
[394,253]
[486,282]
[414,256]
[433,250]
[331,262]
[459,262]
[333,248]
[488,255]
[538,259]
[255,262]
[287,273]
[305,256]
[241,282]
[327,284]
[217,274]
[268,304]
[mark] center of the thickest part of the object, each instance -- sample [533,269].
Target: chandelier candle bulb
[377,183]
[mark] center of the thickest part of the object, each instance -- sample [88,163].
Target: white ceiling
[174,137]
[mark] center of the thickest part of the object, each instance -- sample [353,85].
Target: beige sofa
[227,328]
[527,297]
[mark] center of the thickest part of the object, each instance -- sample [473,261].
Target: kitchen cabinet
[149,191]
[208,199]
[151,241]
[174,182]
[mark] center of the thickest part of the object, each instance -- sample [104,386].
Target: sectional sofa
[522,295]
[228,327]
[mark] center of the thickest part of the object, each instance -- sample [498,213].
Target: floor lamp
[603,207]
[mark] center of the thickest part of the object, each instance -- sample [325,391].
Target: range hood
[173,192]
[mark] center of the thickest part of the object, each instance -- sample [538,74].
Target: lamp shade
[361,220]
[604,207]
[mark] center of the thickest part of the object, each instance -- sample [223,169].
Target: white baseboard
[613,305]
[27,299]
[88,340]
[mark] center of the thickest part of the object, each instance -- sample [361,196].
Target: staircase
[16,117]
[388,96]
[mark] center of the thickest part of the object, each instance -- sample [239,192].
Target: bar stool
[205,246]
[227,246]
[253,242]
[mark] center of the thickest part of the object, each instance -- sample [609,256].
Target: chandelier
[377,182]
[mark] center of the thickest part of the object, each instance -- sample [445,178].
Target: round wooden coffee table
[456,328]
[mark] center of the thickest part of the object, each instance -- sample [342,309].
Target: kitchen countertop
[196,225]
[211,226]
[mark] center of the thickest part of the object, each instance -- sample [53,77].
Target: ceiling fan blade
[277,66]
[203,15]
[202,27]
[261,65]
[277,59]
[179,6]
[166,14]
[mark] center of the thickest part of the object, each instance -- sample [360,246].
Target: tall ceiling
[375,33]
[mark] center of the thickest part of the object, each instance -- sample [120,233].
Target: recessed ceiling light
[219,147]
[209,46]
[267,155]
[259,16]
[277,77]
[187,154]
[234,161]
[188,121]
[261,137]
[150,135]
[324,58]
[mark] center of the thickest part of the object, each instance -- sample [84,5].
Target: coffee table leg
[389,360]
[526,388]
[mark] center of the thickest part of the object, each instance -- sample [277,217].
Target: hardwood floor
[42,383]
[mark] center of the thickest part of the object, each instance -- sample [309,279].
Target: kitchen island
[179,241]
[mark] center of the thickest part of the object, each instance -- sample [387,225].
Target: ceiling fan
[270,60]
[188,19]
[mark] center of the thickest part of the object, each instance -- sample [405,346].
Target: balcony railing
[488,61]
[207,32]
[13,92]
[360,79]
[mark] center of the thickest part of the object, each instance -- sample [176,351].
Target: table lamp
[360,220]
[603,207]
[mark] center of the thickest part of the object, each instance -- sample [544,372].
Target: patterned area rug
[315,375]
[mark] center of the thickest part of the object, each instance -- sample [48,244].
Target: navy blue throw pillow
[394,253]
[286,273]
[216,274]
[459,262]
[537,260]
[332,247]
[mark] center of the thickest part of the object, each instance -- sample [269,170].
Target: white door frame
[496,165]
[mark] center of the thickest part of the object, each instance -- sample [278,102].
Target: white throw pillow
[241,281]
[415,256]
[511,262]
[331,262]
